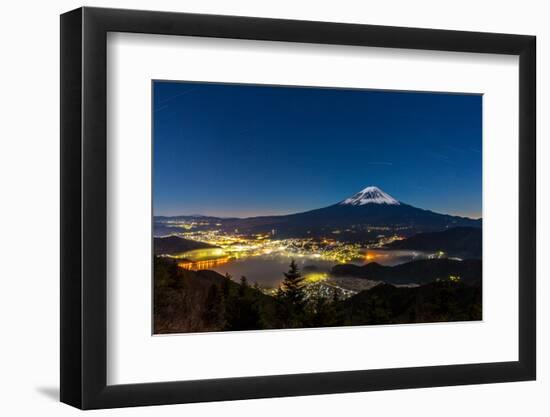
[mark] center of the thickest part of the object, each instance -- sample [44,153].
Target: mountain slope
[370,208]
[363,216]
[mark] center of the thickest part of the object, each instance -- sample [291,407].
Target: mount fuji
[370,195]
[370,212]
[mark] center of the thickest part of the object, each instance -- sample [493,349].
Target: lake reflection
[267,270]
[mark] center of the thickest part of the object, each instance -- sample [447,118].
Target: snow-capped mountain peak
[370,195]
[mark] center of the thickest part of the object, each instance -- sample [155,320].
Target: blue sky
[245,150]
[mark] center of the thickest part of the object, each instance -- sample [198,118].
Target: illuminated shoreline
[239,246]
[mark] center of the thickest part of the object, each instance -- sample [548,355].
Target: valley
[332,263]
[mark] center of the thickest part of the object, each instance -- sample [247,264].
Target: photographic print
[287,207]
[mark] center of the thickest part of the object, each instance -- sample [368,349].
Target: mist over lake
[267,270]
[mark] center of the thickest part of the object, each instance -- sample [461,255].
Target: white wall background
[29,211]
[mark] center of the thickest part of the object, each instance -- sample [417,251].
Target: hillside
[433,302]
[202,301]
[173,245]
[464,242]
[415,272]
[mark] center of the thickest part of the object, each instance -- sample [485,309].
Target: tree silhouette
[292,285]
[292,297]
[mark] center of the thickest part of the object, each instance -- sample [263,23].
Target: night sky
[246,150]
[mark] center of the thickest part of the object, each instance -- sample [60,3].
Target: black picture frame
[84,207]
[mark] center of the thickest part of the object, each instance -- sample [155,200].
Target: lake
[267,270]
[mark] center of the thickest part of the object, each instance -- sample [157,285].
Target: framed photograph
[257,208]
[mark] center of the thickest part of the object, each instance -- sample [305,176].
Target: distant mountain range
[368,213]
